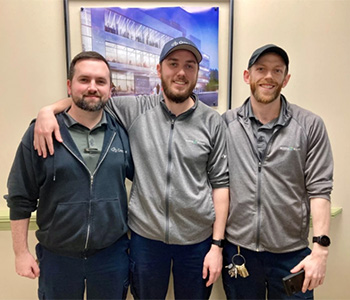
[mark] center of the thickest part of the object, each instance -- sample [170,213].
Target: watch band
[219,243]
[323,240]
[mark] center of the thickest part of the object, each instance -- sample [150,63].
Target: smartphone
[293,283]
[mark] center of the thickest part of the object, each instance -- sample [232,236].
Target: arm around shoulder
[46,125]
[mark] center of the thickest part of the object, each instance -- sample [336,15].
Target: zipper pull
[259,166]
[172,123]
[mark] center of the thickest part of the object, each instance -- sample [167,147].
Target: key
[238,262]
[242,271]
[232,270]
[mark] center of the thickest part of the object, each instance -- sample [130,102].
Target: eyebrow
[187,61]
[264,65]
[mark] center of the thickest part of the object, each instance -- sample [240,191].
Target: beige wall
[315,34]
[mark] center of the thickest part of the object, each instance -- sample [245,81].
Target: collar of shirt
[279,121]
[70,122]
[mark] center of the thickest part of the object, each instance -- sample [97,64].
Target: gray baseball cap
[178,44]
[267,49]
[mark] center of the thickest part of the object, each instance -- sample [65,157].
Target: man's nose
[92,86]
[181,71]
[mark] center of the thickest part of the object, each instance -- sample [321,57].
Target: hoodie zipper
[91,184]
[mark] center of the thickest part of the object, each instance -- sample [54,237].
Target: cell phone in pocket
[293,283]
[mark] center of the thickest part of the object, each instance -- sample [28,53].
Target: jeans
[152,261]
[104,274]
[266,271]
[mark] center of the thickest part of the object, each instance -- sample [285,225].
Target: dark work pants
[266,271]
[151,262]
[105,274]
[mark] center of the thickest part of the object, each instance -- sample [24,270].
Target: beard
[179,97]
[261,98]
[85,105]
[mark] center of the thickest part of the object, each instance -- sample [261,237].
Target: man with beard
[281,168]
[79,194]
[179,198]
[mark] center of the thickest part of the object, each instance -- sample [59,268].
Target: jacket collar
[284,117]
[184,114]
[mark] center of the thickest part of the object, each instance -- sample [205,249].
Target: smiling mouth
[180,82]
[267,86]
[92,96]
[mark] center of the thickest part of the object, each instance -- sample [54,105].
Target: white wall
[315,34]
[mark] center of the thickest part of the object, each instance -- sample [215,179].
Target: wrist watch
[323,240]
[219,243]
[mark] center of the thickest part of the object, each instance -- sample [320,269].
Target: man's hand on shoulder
[45,126]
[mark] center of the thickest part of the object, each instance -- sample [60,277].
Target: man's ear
[286,80]
[246,76]
[69,87]
[159,68]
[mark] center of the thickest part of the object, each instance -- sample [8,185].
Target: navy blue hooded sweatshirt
[78,212]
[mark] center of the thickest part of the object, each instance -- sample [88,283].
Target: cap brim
[187,47]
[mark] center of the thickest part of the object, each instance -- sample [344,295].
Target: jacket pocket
[108,222]
[69,227]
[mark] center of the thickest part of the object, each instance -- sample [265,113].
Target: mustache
[268,81]
[92,94]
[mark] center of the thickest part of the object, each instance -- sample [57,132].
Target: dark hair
[87,55]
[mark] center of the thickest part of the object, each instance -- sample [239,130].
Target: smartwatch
[219,243]
[323,240]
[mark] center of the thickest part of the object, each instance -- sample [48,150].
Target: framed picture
[132,37]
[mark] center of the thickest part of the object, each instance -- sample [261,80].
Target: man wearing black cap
[179,198]
[281,169]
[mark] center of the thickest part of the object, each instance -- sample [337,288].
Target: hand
[212,264]
[27,266]
[314,266]
[45,125]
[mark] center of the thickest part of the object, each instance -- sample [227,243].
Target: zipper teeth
[259,207]
[168,183]
[259,188]
[91,184]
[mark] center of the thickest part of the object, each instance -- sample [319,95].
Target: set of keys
[237,266]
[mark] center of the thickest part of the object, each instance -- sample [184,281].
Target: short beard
[177,98]
[84,105]
[265,99]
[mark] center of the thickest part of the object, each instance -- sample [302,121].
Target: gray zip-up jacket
[270,198]
[178,161]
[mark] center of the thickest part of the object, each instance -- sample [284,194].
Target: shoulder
[304,117]
[133,100]
[207,112]
[230,115]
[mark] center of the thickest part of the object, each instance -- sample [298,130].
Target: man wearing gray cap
[179,199]
[281,169]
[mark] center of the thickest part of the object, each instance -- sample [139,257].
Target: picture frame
[73,39]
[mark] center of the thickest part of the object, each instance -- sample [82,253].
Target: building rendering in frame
[131,39]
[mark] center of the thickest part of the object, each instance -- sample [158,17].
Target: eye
[101,82]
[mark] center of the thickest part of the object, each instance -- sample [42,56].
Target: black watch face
[325,241]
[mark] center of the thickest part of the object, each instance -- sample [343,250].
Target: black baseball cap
[267,49]
[177,44]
